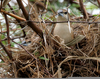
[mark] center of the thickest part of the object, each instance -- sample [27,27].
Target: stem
[98,3]
[83,10]
[8,53]
[7,26]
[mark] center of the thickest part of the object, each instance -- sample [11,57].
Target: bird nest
[48,57]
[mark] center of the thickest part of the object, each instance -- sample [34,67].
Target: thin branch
[66,22]
[1,4]
[83,9]
[11,30]
[13,38]
[13,15]
[7,26]
[45,2]
[2,58]
[7,52]
[98,3]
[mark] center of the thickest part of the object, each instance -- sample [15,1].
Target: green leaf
[75,5]
[91,6]
[12,44]
[31,0]
[37,53]
[43,58]
[96,15]
[2,37]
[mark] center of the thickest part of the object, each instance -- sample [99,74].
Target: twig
[8,53]
[1,4]
[98,3]
[7,26]
[2,58]
[45,2]
[83,9]
[11,30]
[66,22]
[13,15]
[13,38]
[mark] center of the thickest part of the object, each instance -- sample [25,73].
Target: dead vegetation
[46,56]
